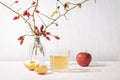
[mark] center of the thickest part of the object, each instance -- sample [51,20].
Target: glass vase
[36,54]
[37,51]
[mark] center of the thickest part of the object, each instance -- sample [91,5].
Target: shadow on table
[84,70]
[79,70]
[97,65]
[91,68]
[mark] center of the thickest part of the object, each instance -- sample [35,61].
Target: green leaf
[55,12]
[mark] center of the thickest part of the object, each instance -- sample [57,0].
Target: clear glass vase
[37,51]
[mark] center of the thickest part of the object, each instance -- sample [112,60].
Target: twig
[18,14]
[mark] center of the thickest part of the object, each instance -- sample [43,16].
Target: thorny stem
[19,15]
[42,20]
[46,16]
[34,12]
[32,17]
[64,13]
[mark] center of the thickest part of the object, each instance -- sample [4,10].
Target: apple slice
[31,64]
[41,69]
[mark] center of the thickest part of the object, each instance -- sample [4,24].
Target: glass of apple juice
[59,60]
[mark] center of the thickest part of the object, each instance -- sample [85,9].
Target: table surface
[106,70]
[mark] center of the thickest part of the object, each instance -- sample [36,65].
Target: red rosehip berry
[33,3]
[36,30]
[21,38]
[21,42]
[47,38]
[66,6]
[47,33]
[16,17]
[16,1]
[37,11]
[25,13]
[41,28]
[57,37]
[28,14]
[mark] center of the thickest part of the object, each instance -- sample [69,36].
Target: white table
[96,71]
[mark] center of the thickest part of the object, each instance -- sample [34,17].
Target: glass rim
[59,51]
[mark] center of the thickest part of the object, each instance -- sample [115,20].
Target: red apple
[83,58]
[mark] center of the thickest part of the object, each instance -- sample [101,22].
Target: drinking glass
[59,59]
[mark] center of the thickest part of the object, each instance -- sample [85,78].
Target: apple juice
[59,62]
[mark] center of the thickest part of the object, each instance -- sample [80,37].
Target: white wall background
[95,28]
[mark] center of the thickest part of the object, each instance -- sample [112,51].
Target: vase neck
[38,45]
[36,40]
